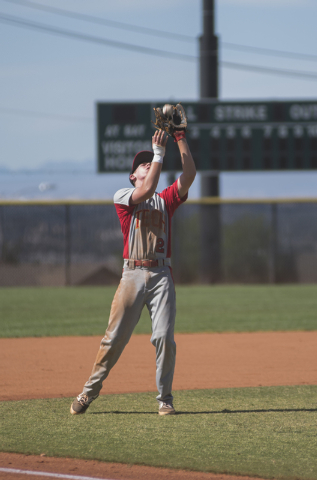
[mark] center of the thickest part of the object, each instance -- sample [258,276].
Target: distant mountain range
[73,179]
[51,166]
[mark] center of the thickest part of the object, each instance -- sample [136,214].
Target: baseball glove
[171,119]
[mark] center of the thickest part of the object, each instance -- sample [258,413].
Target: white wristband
[159,152]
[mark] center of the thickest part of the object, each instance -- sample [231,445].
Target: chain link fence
[73,243]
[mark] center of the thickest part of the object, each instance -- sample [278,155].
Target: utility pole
[209,79]
[208,53]
[210,214]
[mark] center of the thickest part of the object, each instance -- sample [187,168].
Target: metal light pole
[208,53]
[210,214]
[209,80]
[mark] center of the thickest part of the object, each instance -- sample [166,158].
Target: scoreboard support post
[273,274]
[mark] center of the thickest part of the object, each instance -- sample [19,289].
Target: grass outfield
[268,432]
[84,310]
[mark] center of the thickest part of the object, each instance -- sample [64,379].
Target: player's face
[142,170]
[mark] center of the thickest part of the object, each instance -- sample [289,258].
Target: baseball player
[145,218]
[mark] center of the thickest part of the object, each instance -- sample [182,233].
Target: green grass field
[265,432]
[84,310]
[268,432]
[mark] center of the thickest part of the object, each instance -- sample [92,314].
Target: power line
[53,116]
[20,22]
[273,71]
[270,51]
[104,21]
[16,21]
[159,33]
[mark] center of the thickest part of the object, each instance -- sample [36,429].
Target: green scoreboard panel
[223,136]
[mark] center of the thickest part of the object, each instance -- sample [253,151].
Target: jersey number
[160,245]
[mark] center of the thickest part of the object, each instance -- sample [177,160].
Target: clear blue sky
[54,75]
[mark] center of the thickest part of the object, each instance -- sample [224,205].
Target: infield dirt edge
[94,468]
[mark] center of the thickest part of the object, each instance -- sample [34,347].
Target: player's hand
[159,138]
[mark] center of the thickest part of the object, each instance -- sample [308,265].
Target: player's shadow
[268,410]
[212,412]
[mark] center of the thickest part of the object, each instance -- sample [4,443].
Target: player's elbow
[185,182]
[149,191]
[146,193]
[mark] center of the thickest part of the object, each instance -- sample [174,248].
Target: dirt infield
[58,367]
[90,468]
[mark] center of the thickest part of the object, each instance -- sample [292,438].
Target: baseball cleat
[80,404]
[166,409]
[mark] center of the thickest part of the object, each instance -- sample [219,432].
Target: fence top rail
[198,201]
[55,202]
[223,201]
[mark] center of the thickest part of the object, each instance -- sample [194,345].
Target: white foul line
[47,474]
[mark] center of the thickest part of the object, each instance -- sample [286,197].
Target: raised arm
[188,165]
[147,175]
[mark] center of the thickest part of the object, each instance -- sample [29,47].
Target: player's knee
[114,341]
[164,340]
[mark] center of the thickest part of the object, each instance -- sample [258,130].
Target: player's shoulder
[169,191]
[123,196]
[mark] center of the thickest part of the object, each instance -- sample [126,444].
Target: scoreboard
[223,136]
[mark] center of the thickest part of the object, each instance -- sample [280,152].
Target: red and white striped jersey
[146,227]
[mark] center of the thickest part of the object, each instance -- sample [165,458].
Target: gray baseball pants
[153,287]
